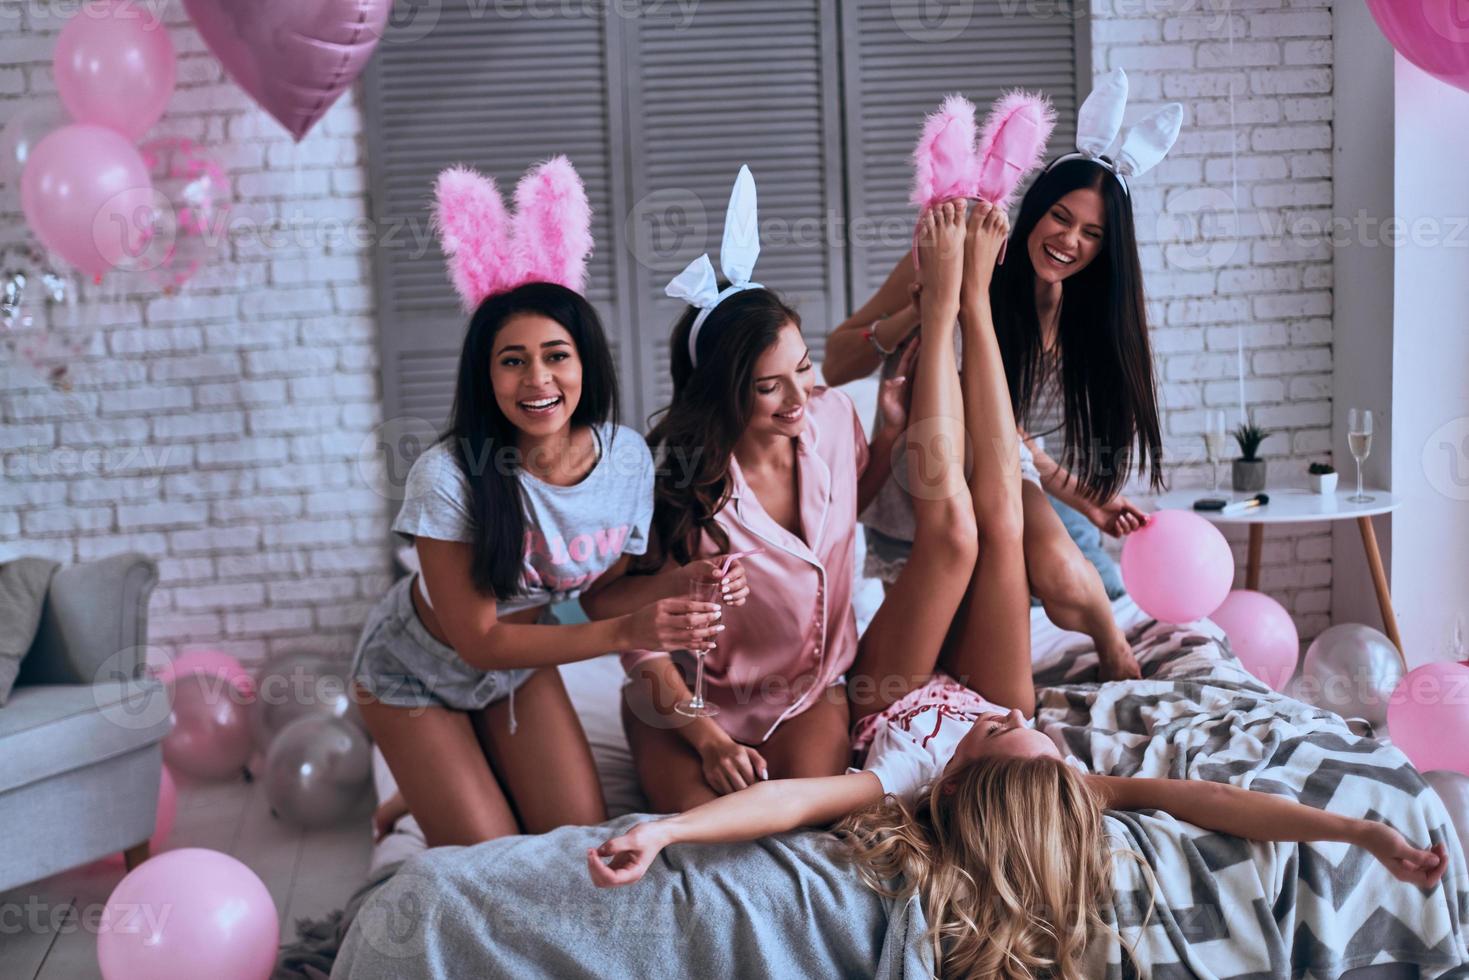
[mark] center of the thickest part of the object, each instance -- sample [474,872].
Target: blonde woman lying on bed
[977,812]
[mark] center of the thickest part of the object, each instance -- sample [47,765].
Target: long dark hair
[693,439]
[483,440]
[1110,403]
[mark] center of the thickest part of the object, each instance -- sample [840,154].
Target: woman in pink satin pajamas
[755,457]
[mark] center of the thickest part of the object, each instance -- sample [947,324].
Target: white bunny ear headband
[1143,146]
[698,285]
[489,251]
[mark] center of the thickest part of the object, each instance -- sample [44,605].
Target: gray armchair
[80,738]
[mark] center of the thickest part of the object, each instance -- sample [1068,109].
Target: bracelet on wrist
[871,334]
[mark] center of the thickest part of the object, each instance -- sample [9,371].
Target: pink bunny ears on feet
[950,162]
[489,251]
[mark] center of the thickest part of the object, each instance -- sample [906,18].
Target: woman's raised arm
[849,354]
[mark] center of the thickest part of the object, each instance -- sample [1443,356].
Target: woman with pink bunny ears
[533,495]
[1069,314]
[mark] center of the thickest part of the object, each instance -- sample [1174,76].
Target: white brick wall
[217,430]
[1271,285]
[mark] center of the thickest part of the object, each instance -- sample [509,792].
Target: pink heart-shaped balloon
[295,59]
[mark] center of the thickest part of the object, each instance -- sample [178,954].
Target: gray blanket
[523,907]
[1208,905]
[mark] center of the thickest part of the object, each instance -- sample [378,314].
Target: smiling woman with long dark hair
[533,495]
[754,457]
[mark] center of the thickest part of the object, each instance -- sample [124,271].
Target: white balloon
[1352,669]
[1453,789]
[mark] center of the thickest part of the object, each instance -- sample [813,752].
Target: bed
[789,906]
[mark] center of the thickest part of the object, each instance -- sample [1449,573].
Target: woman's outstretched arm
[1262,816]
[765,808]
[891,312]
[472,624]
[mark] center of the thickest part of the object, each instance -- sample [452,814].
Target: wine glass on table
[1216,438]
[1359,441]
[703,587]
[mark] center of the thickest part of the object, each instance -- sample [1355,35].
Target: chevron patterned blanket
[1190,903]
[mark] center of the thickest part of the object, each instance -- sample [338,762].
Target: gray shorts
[400,664]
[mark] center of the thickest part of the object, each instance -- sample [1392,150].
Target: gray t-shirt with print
[573,534]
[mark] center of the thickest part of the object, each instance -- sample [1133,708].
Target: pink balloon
[188,914]
[1428,716]
[87,195]
[1433,34]
[115,67]
[210,738]
[293,58]
[1177,567]
[211,663]
[1261,634]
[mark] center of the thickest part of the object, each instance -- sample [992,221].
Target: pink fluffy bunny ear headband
[950,162]
[489,251]
[1143,146]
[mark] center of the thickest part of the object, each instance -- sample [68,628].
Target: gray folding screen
[657,111]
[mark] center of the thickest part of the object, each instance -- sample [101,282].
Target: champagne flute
[1216,436]
[1359,441]
[703,587]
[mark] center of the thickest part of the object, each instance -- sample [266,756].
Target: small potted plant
[1249,469]
[1323,478]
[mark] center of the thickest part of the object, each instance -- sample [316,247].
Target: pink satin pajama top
[796,634]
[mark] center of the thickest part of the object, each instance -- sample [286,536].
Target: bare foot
[984,236]
[387,815]
[941,253]
[1118,664]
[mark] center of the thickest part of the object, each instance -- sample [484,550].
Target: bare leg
[546,767]
[1070,588]
[992,652]
[815,742]
[669,769]
[900,648]
[441,772]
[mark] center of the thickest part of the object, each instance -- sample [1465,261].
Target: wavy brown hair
[1007,856]
[693,439]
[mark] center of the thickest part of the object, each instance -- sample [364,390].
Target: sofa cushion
[49,729]
[23,585]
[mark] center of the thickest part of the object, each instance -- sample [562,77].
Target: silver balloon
[1453,789]
[1352,669]
[299,685]
[318,771]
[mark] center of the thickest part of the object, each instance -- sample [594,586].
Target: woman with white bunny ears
[1070,317]
[760,462]
[533,495]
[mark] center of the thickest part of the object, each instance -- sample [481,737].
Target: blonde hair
[1007,856]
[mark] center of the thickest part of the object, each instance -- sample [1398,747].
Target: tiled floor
[44,932]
